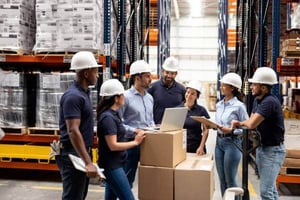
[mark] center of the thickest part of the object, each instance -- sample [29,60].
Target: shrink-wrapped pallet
[69,26]
[17,26]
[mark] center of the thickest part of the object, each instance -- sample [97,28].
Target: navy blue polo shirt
[165,97]
[76,104]
[272,128]
[109,123]
[193,127]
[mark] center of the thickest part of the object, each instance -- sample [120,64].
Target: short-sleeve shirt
[272,127]
[76,104]
[110,123]
[193,127]
[231,110]
[165,97]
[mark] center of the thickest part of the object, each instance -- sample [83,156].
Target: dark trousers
[75,182]
[131,163]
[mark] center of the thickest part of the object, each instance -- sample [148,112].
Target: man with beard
[166,92]
[267,118]
[137,112]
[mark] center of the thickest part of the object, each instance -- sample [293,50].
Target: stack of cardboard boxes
[17,26]
[69,25]
[167,172]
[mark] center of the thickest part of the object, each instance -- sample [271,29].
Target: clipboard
[79,165]
[205,121]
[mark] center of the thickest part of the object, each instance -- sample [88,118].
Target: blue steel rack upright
[138,35]
[222,38]
[164,25]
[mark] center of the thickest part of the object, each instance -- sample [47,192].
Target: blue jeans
[269,160]
[227,157]
[117,185]
[75,182]
[131,163]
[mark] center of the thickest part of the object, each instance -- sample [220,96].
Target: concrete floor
[45,185]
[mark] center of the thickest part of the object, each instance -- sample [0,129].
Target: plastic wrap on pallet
[17,26]
[94,99]
[12,99]
[295,15]
[69,26]
[50,88]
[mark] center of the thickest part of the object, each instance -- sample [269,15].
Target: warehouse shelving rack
[260,24]
[28,150]
[164,26]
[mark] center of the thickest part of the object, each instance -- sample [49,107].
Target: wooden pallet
[14,130]
[42,131]
[10,51]
[290,53]
[290,171]
[63,53]
[54,53]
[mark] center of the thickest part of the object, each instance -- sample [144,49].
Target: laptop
[173,119]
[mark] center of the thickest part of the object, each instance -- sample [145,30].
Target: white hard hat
[171,64]
[232,79]
[111,87]
[139,66]
[264,75]
[83,60]
[195,84]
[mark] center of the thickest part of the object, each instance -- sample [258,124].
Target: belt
[222,135]
[271,145]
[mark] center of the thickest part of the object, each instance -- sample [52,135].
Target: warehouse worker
[137,112]
[77,128]
[267,119]
[166,92]
[112,148]
[227,155]
[196,132]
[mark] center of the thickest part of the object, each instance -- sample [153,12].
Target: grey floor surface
[41,185]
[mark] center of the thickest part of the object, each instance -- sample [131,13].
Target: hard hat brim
[236,86]
[251,80]
[170,69]
[87,67]
[145,71]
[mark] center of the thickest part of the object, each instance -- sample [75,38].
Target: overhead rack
[140,37]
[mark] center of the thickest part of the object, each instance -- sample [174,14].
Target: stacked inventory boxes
[69,25]
[291,47]
[50,88]
[16,99]
[164,165]
[211,96]
[49,91]
[290,171]
[17,26]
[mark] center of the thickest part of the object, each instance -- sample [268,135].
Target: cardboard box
[293,153]
[194,156]
[292,126]
[291,162]
[155,183]
[194,179]
[163,149]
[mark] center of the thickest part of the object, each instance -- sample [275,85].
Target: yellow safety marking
[60,188]
[251,189]
[47,188]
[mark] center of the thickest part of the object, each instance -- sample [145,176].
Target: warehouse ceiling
[194,8]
